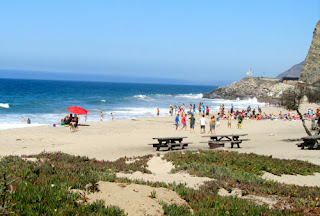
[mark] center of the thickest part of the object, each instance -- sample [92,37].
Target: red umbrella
[77,110]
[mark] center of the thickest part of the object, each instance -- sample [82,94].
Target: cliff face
[249,87]
[311,68]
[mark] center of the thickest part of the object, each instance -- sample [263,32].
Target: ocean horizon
[45,102]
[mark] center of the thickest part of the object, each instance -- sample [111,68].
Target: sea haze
[46,101]
[42,75]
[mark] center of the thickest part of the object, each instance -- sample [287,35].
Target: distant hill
[294,71]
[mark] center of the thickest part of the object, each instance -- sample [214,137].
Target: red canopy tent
[77,110]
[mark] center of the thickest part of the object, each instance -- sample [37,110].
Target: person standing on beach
[101,116]
[112,116]
[85,118]
[229,121]
[184,122]
[158,112]
[239,122]
[218,120]
[192,122]
[22,119]
[203,124]
[75,123]
[177,121]
[212,125]
[29,121]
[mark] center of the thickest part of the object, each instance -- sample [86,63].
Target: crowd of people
[231,114]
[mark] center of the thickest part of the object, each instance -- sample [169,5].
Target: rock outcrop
[294,71]
[250,87]
[311,68]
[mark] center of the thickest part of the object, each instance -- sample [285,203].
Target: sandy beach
[110,140]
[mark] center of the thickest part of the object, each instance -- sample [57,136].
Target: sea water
[46,102]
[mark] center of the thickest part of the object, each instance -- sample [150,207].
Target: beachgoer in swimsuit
[212,125]
[229,121]
[101,116]
[218,120]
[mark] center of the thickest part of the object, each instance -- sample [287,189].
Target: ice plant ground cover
[40,184]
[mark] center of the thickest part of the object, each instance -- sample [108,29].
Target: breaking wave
[4,105]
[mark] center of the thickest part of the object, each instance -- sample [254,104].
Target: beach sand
[114,139]
[111,140]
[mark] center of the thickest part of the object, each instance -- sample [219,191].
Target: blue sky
[189,40]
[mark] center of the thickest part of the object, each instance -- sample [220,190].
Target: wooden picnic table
[170,142]
[311,142]
[219,140]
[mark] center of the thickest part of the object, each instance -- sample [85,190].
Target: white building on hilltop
[249,73]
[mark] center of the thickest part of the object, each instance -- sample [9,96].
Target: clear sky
[190,40]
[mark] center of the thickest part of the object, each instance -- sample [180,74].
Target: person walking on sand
[177,121]
[112,116]
[203,124]
[184,122]
[101,116]
[212,125]
[192,122]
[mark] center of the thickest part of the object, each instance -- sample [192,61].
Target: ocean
[46,101]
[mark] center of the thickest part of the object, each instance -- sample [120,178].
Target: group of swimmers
[101,116]
[28,120]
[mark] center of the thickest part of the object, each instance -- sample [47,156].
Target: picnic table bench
[220,140]
[311,142]
[170,142]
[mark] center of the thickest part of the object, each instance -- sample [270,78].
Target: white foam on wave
[143,97]
[12,126]
[238,104]
[138,112]
[4,105]
[190,96]
[103,100]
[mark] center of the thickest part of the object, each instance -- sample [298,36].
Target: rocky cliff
[294,71]
[263,89]
[311,68]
